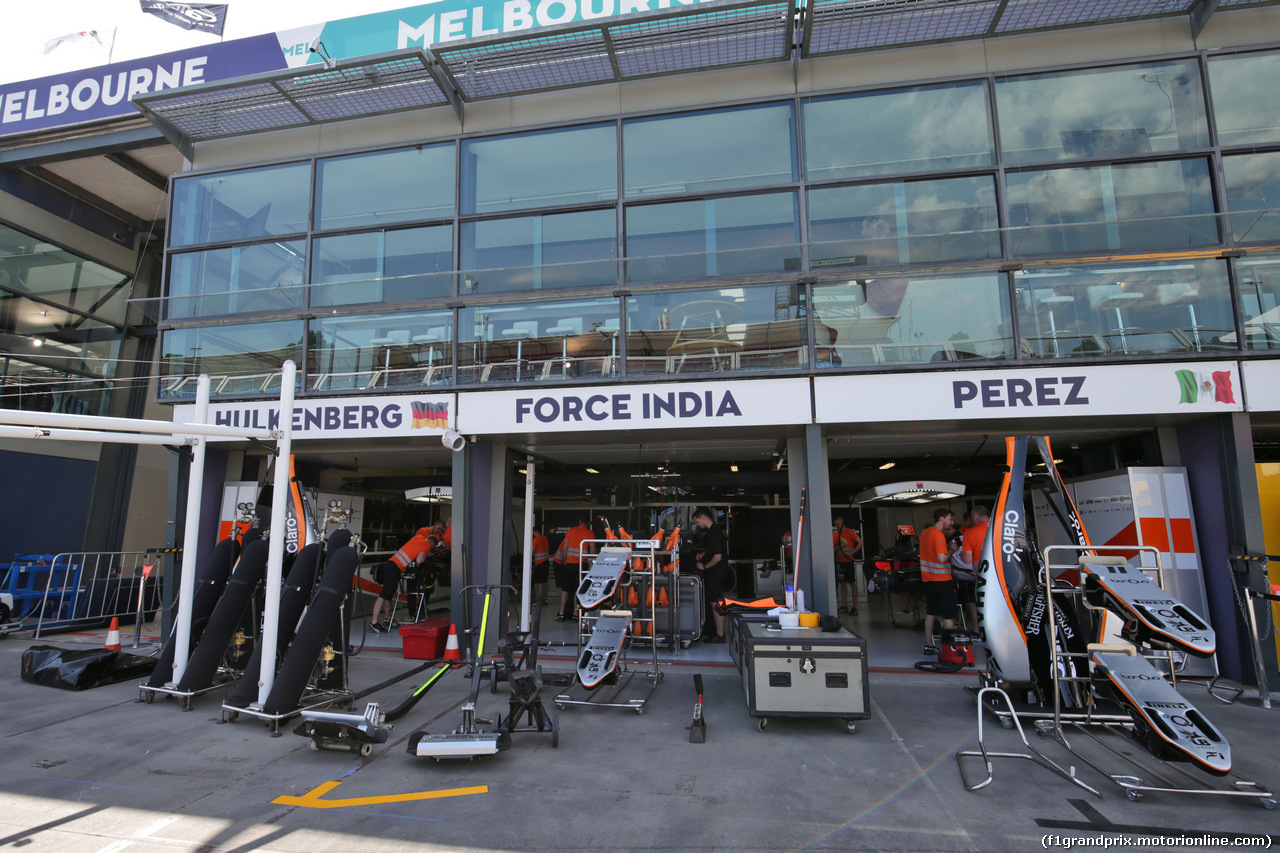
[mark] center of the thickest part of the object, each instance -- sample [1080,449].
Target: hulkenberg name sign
[340,417]
[636,407]
[1064,391]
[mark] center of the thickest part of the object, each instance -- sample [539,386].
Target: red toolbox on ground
[425,640]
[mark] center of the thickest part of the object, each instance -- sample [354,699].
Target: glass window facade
[709,151]
[911,320]
[738,235]
[906,130]
[545,169]
[241,359]
[716,330]
[539,341]
[1253,195]
[267,202]
[1246,101]
[236,280]
[385,187]
[1259,303]
[539,252]
[382,266]
[837,232]
[900,223]
[373,351]
[1125,309]
[1163,204]
[1113,112]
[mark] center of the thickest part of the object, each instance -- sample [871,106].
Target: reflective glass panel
[717,330]
[1129,206]
[1260,302]
[382,266]
[551,167]
[1125,309]
[58,337]
[539,341]
[906,130]
[241,205]
[901,223]
[402,350]
[1253,195]
[539,252]
[916,320]
[702,152]
[36,387]
[713,237]
[236,280]
[30,265]
[385,187]
[1246,100]
[240,360]
[1113,112]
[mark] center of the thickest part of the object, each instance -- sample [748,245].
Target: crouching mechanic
[408,556]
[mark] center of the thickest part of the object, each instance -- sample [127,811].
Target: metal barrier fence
[86,589]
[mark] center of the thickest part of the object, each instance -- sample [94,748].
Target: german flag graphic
[430,415]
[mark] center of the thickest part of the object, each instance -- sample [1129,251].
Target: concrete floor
[99,771]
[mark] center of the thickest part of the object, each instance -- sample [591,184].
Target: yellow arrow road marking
[312,799]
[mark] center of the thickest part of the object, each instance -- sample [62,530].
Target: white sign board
[1064,391]
[1262,385]
[679,405]
[339,417]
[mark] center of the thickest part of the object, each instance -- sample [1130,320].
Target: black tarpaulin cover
[80,669]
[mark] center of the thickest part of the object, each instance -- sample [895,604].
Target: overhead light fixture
[592,471]
[430,494]
[522,470]
[37,342]
[911,492]
[733,468]
[886,466]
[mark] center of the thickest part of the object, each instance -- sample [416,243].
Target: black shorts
[715,582]
[966,592]
[940,599]
[847,572]
[541,570]
[567,576]
[389,577]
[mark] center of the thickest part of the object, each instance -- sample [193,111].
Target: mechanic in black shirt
[713,561]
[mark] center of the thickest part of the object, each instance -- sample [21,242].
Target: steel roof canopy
[699,37]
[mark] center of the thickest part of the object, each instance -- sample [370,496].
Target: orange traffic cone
[451,645]
[113,635]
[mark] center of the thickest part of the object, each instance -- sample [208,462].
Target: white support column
[275,552]
[191,537]
[526,585]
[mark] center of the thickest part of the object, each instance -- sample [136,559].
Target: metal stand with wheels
[623,674]
[1148,773]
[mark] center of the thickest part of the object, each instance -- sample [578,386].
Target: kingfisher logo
[1199,387]
[430,415]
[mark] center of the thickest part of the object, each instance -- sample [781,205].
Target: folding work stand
[1146,773]
[641,549]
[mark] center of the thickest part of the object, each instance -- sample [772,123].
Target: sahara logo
[1198,386]
[430,415]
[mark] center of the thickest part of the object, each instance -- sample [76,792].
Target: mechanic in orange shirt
[935,571]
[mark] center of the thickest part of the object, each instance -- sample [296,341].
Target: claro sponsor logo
[1019,393]
[1011,520]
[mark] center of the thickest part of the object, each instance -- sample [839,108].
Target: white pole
[191,537]
[526,584]
[275,553]
[54,434]
[51,419]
